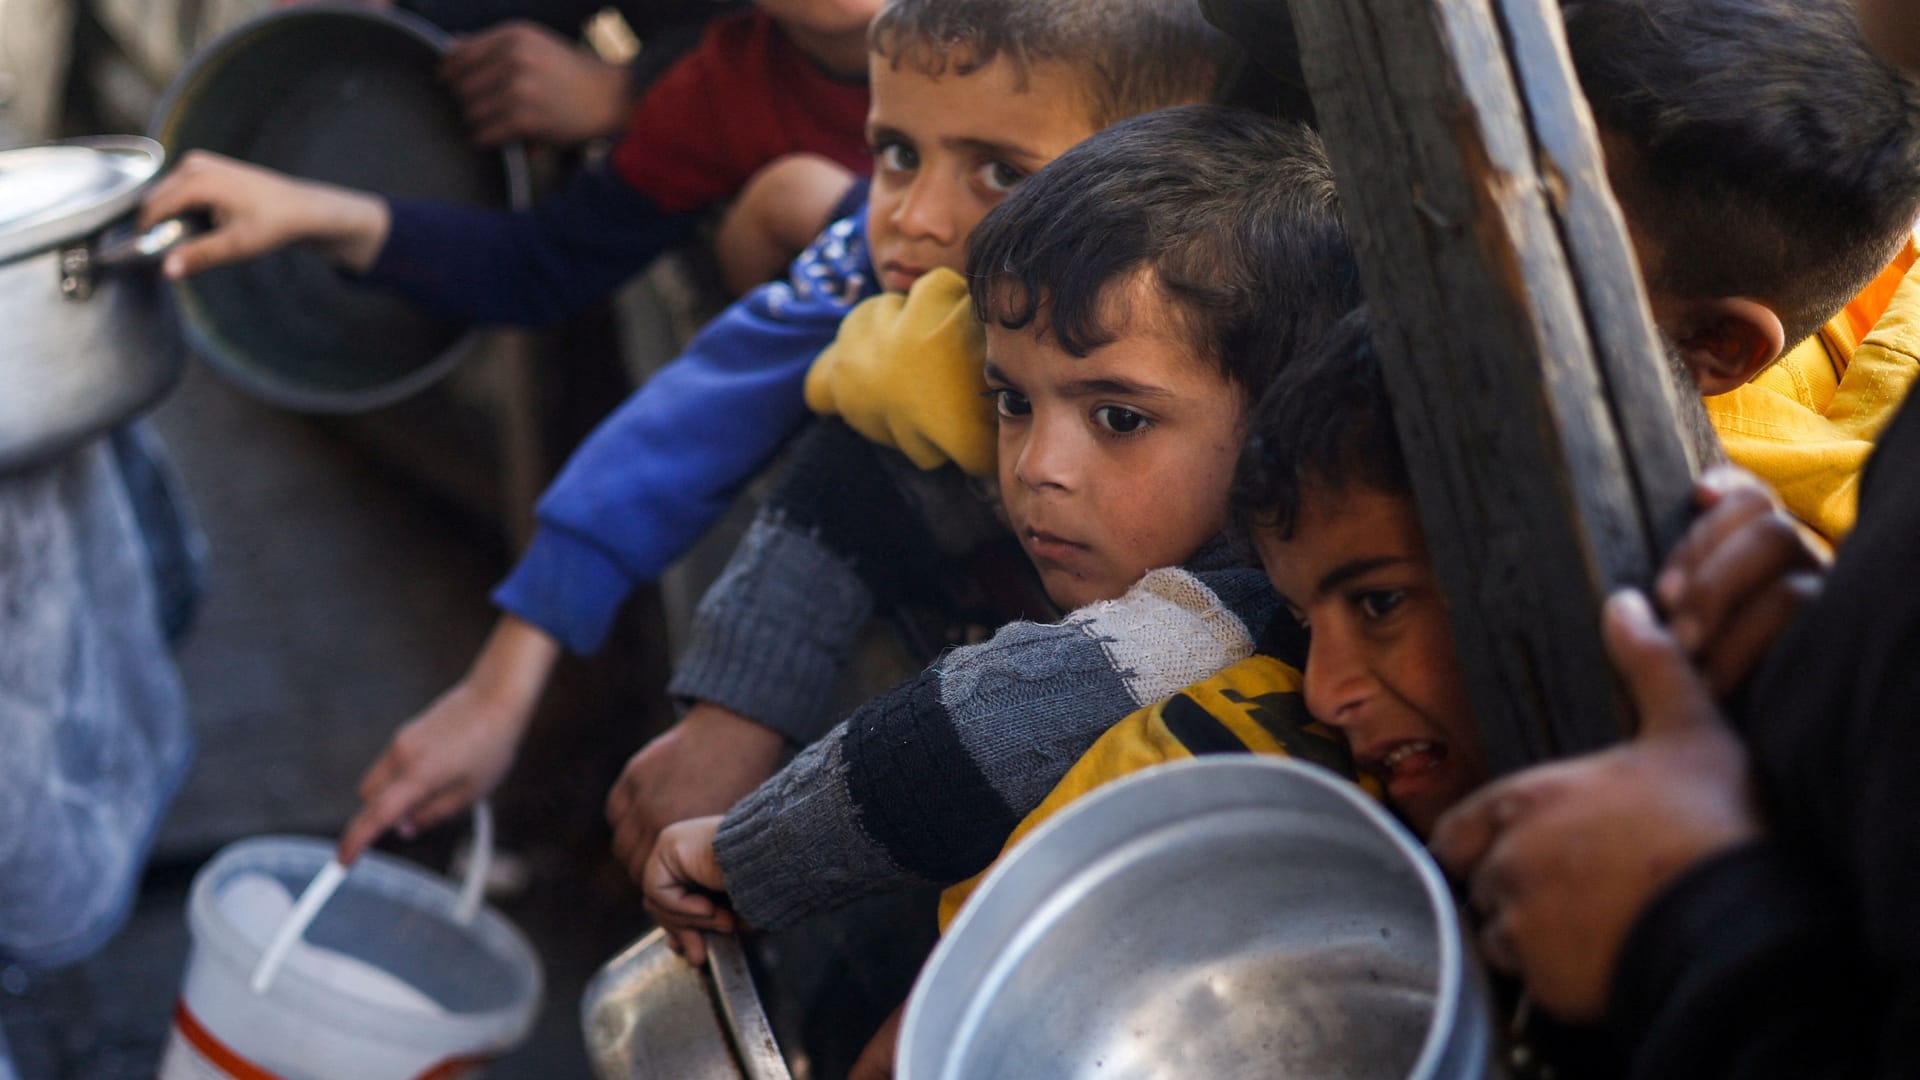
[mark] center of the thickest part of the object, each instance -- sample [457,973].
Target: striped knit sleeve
[923,784]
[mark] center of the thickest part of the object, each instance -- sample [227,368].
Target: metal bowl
[648,1014]
[1220,917]
[349,95]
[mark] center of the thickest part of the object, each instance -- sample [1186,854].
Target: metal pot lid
[65,190]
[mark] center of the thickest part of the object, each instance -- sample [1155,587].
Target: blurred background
[350,565]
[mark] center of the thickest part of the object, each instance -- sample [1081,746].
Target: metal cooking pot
[349,95]
[89,341]
[1219,917]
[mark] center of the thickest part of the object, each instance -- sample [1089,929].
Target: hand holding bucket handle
[328,881]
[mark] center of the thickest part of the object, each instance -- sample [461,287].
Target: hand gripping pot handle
[124,246]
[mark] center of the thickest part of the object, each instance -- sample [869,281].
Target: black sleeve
[1748,967]
[526,268]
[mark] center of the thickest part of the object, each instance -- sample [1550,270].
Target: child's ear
[1726,341]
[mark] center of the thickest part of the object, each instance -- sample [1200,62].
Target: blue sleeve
[481,264]
[659,471]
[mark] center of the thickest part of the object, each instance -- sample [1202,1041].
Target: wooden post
[1532,396]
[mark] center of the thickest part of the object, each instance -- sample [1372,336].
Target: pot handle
[131,247]
[83,263]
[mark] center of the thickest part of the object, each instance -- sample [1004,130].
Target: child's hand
[521,81]
[905,371]
[1562,858]
[1737,578]
[684,886]
[457,750]
[702,765]
[258,211]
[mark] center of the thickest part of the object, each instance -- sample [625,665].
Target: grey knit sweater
[923,784]
[846,529]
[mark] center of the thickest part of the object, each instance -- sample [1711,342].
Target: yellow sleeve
[905,371]
[1253,705]
[1812,453]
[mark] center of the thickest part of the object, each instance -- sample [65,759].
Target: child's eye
[1379,604]
[897,157]
[1009,404]
[1118,420]
[1000,177]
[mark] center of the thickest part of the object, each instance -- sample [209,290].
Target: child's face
[947,149]
[1115,463]
[1380,665]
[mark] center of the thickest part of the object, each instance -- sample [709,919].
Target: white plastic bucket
[466,992]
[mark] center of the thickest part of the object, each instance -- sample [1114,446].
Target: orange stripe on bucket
[215,1051]
[455,1067]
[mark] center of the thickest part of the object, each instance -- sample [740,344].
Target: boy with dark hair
[1768,164]
[951,135]
[1137,295]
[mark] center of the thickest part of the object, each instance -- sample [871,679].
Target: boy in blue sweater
[968,98]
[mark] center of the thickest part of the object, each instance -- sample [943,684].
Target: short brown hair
[1139,55]
[1758,144]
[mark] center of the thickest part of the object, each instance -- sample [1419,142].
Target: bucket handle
[328,880]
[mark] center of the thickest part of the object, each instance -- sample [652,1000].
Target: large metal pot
[1220,917]
[89,341]
[349,95]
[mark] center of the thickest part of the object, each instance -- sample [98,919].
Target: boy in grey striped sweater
[1137,294]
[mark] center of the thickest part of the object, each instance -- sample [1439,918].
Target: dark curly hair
[1325,424]
[1232,215]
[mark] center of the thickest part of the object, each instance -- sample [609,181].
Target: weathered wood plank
[1544,476]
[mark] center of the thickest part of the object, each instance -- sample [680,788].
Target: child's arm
[522,81]
[456,750]
[258,211]
[472,263]
[925,782]
[835,537]
[659,471]
[778,213]
[905,371]
[846,528]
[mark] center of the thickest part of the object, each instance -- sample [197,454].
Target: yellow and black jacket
[1253,706]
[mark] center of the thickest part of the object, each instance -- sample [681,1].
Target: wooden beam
[1533,399]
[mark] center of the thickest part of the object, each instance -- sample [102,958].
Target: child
[758,87]
[1768,167]
[1768,164]
[969,98]
[1136,295]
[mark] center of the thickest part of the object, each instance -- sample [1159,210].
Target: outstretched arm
[257,211]
[664,467]
[923,784]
